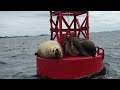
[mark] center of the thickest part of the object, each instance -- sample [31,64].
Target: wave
[3,63]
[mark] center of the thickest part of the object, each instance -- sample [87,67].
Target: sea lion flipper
[36,54]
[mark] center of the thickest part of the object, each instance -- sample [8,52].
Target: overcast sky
[20,23]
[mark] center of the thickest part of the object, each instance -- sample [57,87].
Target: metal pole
[88,24]
[60,25]
[75,25]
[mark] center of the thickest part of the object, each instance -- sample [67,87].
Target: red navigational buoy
[70,67]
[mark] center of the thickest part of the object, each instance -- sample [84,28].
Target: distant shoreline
[23,36]
[49,34]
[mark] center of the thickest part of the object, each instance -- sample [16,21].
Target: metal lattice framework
[59,32]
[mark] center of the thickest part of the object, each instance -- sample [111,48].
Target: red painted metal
[78,29]
[69,67]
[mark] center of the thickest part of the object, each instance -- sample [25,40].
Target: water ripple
[18,60]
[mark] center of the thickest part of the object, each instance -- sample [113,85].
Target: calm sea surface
[17,60]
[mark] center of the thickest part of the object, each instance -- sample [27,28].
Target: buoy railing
[100,51]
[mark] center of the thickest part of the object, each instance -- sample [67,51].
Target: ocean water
[17,59]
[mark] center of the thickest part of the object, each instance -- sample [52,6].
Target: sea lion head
[56,53]
[68,38]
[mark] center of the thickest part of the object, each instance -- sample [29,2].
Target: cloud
[23,22]
[13,23]
[104,20]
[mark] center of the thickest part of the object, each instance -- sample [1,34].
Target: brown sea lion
[68,48]
[90,47]
[83,47]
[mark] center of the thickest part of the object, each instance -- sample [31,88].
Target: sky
[31,23]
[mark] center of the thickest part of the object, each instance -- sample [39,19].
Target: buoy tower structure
[75,24]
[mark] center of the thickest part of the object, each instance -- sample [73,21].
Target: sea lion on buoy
[90,47]
[50,49]
[84,46]
[68,48]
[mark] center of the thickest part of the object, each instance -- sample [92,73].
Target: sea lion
[50,49]
[68,48]
[84,46]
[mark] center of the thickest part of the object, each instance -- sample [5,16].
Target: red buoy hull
[69,67]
